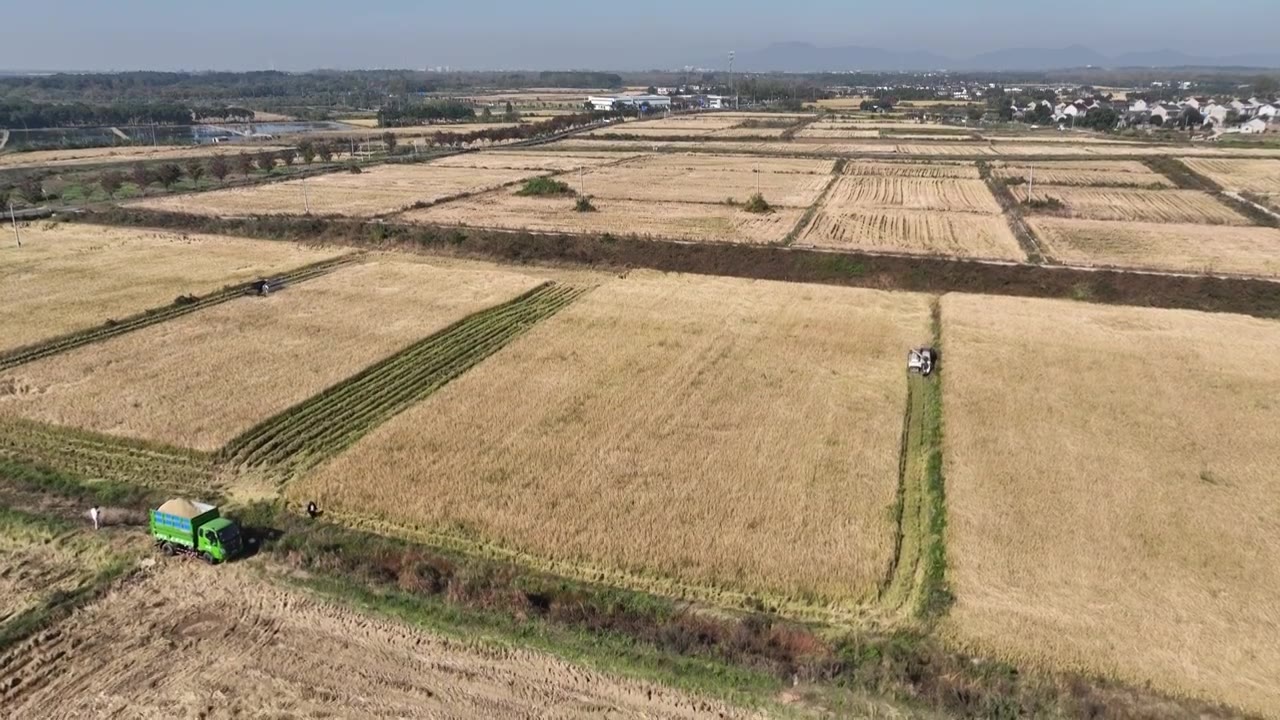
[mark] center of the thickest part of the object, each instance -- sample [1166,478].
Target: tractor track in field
[147,318]
[103,457]
[320,427]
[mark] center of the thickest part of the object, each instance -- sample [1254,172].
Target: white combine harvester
[921,360]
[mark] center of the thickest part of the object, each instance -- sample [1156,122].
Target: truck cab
[194,528]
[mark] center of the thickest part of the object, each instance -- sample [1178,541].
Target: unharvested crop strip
[159,315]
[327,423]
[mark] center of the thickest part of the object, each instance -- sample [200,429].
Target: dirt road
[192,641]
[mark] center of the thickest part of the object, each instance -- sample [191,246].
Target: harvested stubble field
[1171,206]
[124,154]
[700,185]
[619,433]
[66,278]
[546,162]
[732,163]
[1256,176]
[1104,166]
[1161,246]
[838,132]
[1049,175]
[1111,495]
[920,232]
[153,648]
[747,132]
[378,190]
[40,560]
[505,210]
[200,380]
[853,192]
[911,170]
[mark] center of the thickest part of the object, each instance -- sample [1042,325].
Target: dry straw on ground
[1161,246]
[1258,176]
[1157,206]
[922,232]
[738,433]
[382,189]
[1050,175]
[40,562]
[1111,492]
[731,163]
[700,185]
[679,220]
[1102,166]
[123,154]
[200,380]
[155,648]
[546,161]
[912,170]
[910,193]
[73,277]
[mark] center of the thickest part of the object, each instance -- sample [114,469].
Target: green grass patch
[545,187]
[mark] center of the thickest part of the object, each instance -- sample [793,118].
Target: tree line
[26,114]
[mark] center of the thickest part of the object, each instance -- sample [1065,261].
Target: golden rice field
[123,154]
[1172,206]
[911,170]
[730,433]
[1081,177]
[545,162]
[921,232]
[66,278]
[504,210]
[378,190]
[201,379]
[852,192]
[1161,246]
[1111,492]
[1256,176]
[700,185]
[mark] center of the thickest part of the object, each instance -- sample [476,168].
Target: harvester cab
[922,360]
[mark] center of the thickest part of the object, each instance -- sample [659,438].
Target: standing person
[94,513]
[312,510]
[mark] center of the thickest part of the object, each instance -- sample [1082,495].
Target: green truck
[195,528]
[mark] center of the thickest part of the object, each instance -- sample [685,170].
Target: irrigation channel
[324,425]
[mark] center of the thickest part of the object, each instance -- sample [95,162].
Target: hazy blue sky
[626,34]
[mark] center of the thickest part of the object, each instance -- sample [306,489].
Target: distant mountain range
[805,57]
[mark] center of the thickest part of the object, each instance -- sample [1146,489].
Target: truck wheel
[167,549]
[206,557]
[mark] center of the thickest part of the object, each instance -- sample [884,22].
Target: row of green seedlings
[182,305]
[97,456]
[333,420]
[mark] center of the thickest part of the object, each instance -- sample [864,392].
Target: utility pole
[1031,181]
[306,202]
[14,220]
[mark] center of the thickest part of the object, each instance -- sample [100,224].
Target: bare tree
[288,156]
[141,175]
[31,190]
[195,171]
[244,164]
[325,152]
[389,139]
[267,161]
[168,174]
[307,149]
[218,168]
[111,182]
